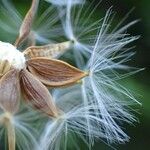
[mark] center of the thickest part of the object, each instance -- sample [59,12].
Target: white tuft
[106,104]
[66,130]
[45,28]
[24,125]
[101,87]
[27,128]
[79,28]
[64,2]
[12,55]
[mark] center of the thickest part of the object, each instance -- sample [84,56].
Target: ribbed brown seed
[50,50]
[10,91]
[27,23]
[5,66]
[37,94]
[54,73]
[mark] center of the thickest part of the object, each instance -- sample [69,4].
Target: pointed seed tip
[86,73]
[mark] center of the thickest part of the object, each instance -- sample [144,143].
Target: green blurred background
[139,83]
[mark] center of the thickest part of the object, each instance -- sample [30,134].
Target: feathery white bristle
[25,132]
[84,122]
[79,29]
[101,88]
[45,28]
[106,103]
[12,55]
[59,132]
[64,2]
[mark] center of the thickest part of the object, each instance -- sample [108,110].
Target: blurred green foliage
[140,83]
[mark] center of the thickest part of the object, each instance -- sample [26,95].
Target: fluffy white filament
[45,28]
[106,104]
[64,2]
[12,55]
[72,123]
[25,132]
[79,28]
[101,87]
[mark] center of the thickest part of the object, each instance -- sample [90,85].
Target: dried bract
[5,66]
[54,73]
[37,94]
[27,23]
[10,91]
[49,51]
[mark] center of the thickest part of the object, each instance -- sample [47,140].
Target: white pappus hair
[79,28]
[45,28]
[64,130]
[64,2]
[104,104]
[23,123]
[101,87]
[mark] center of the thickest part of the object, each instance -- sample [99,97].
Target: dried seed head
[10,56]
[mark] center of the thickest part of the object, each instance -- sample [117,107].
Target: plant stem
[6,120]
[11,136]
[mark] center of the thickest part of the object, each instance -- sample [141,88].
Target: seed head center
[12,55]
